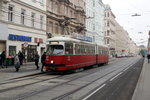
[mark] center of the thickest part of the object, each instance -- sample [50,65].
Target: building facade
[110,27]
[24,23]
[95,24]
[65,17]
[133,48]
[116,38]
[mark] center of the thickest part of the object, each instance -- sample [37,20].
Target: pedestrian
[17,63]
[43,59]
[3,59]
[21,57]
[148,58]
[36,58]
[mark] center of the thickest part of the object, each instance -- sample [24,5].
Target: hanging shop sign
[19,38]
[38,40]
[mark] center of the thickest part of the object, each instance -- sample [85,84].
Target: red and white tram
[64,53]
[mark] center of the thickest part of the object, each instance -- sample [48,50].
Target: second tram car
[64,53]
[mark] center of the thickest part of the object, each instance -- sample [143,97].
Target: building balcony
[66,1]
[80,9]
[6,1]
[109,37]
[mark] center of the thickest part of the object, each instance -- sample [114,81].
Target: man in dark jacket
[43,59]
[21,57]
[37,60]
[148,58]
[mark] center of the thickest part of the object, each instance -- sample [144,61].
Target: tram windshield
[55,50]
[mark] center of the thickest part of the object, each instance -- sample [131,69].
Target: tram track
[67,95]
[24,96]
[20,80]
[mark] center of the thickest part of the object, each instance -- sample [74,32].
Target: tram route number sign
[25,45]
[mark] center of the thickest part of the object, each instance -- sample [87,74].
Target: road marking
[126,69]
[115,76]
[94,92]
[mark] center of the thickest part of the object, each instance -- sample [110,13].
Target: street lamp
[140,32]
[89,17]
[136,15]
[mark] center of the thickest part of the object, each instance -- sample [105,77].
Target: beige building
[122,38]
[65,17]
[110,27]
[132,48]
[116,38]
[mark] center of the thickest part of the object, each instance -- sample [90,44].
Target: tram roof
[62,39]
[68,39]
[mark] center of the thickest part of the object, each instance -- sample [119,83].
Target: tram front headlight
[52,62]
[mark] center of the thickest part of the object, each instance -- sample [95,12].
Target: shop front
[27,45]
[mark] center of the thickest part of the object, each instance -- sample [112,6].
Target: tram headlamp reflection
[52,61]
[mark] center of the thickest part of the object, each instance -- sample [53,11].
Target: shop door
[31,53]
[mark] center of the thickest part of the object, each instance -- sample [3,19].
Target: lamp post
[136,14]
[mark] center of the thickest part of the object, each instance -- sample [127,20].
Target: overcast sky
[124,9]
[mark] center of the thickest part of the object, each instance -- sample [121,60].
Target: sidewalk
[10,71]
[142,91]
[25,69]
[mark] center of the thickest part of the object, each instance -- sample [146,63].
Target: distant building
[132,47]
[116,38]
[110,27]
[23,27]
[95,25]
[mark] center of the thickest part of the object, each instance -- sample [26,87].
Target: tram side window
[68,48]
[99,50]
[102,51]
[93,49]
[86,49]
[76,49]
[82,49]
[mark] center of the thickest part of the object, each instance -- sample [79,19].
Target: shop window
[12,50]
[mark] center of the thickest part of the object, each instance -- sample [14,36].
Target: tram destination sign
[84,38]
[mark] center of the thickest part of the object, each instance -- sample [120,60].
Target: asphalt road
[120,87]
[115,81]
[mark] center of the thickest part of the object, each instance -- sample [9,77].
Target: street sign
[25,45]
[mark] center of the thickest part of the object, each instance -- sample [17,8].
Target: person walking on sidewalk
[17,63]
[36,58]
[43,59]
[3,59]
[148,58]
[21,57]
